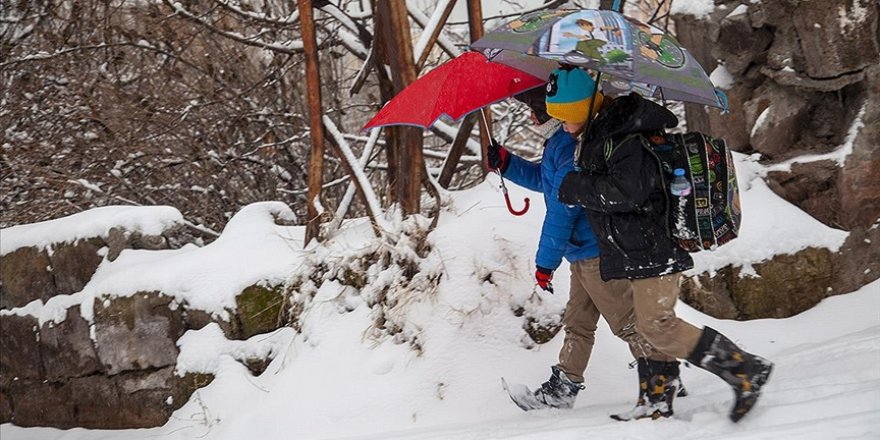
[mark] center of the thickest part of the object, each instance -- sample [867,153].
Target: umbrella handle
[501,178]
[510,206]
[507,198]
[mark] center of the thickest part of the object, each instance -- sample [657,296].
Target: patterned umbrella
[639,57]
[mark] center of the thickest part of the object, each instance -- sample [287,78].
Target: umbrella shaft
[501,178]
[485,121]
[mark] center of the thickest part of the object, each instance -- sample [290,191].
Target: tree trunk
[475,23]
[405,143]
[313,85]
[609,4]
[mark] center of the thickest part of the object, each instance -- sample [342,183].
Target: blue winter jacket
[566,231]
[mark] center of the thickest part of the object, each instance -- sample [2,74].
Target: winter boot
[559,391]
[743,371]
[659,383]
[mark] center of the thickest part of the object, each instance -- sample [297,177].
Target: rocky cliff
[70,357]
[803,82]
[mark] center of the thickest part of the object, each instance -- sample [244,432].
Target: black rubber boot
[744,372]
[659,383]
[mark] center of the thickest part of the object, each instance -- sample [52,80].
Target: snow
[451,131]
[350,191]
[422,44]
[722,78]
[338,378]
[770,225]
[355,165]
[423,20]
[698,8]
[761,121]
[739,10]
[148,220]
[852,18]
[331,384]
[206,278]
[839,154]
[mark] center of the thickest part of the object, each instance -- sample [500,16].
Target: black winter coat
[624,192]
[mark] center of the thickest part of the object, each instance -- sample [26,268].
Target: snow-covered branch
[549,4]
[445,43]
[440,12]
[43,56]
[292,18]
[289,47]
[372,201]
[345,203]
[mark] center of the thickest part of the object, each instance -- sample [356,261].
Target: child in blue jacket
[566,233]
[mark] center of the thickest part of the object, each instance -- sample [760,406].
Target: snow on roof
[97,222]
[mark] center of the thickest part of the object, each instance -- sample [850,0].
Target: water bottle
[680,186]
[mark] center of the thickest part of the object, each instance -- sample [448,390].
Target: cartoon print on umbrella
[652,60]
[534,20]
[658,46]
[588,44]
[591,37]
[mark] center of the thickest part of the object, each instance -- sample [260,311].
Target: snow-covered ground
[336,379]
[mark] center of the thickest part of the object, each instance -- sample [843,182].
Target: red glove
[544,277]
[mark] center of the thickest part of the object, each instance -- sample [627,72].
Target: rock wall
[807,82]
[117,370]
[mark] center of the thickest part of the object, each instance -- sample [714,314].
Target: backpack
[710,215]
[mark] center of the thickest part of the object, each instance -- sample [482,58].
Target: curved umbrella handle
[510,206]
[507,197]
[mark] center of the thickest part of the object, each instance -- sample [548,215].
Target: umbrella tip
[722,99]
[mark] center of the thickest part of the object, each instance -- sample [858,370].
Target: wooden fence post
[475,24]
[457,149]
[316,134]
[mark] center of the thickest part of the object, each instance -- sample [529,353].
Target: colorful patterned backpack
[710,215]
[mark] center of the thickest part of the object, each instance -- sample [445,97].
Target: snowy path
[334,381]
[825,386]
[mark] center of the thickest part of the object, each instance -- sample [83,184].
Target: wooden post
[609,5]
[397,41]
[455,152]
[313,87]
[475,24]
[386,91]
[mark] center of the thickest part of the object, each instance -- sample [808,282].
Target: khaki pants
[654,303]
[590,297]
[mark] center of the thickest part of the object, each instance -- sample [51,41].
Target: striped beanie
[569,95]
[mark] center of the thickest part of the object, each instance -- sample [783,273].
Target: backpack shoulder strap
[610,145]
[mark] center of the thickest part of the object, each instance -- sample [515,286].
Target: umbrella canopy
[456,88]
[640,57]
[611,86]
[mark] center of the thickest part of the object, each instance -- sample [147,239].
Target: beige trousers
[590,297]
[654,303]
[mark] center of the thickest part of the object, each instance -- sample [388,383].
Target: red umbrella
[456,88]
